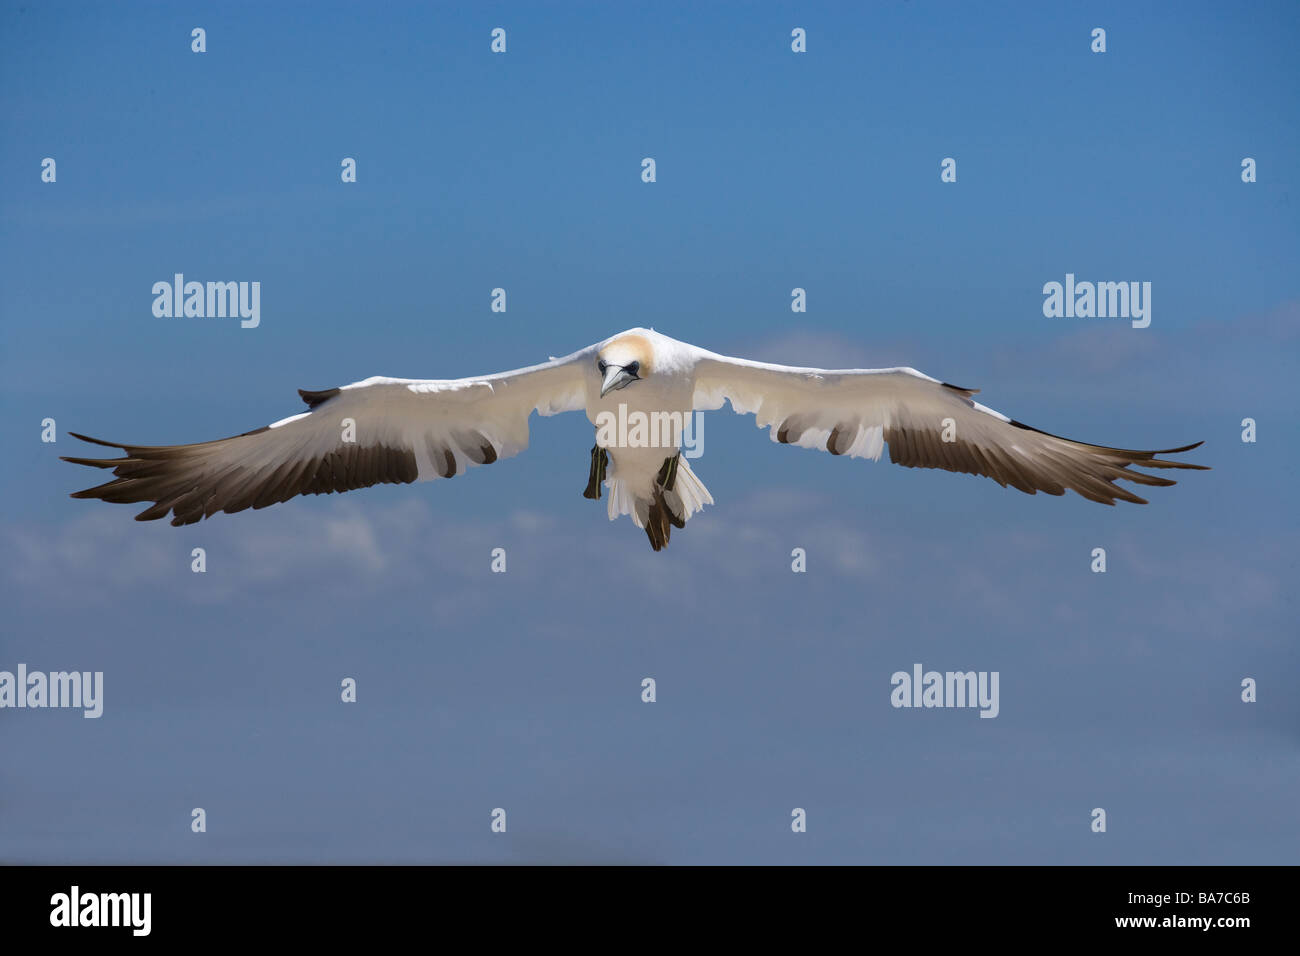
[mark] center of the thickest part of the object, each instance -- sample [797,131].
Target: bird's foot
[668,473]
[596,477]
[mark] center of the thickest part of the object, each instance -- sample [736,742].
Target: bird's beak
[616,377]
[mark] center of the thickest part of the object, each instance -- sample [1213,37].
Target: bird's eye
[633,368]
[601,365]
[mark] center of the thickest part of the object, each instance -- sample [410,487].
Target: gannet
[403,430]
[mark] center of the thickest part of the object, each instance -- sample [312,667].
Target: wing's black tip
[96,441]
[317,398]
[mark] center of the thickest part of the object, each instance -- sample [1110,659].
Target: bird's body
[660,404]
[403,430]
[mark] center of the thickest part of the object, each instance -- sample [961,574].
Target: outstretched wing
[381,430]
[926,424]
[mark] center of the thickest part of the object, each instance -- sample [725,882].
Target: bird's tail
[675,494]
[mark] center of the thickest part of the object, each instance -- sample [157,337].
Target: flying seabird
[403,430]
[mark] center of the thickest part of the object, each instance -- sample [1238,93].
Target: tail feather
[691,490]
[659,508]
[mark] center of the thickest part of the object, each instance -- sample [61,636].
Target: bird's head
[624,360]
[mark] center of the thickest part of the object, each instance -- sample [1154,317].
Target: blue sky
[774,170]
